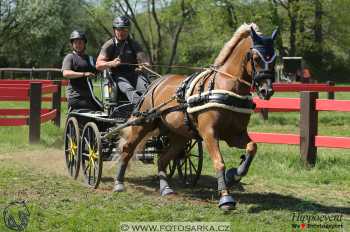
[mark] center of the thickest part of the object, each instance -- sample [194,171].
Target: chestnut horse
[217,104]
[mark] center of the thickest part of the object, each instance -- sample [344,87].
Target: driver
[122,54]
[77,67]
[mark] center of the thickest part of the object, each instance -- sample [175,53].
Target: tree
[292,7]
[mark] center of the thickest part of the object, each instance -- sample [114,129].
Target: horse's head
[262,59]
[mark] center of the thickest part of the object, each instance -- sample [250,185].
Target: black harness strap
[181,98]
[221,98]
[150,89]
[181,91]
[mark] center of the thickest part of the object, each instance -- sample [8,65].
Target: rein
[222,97]
[213,68]
[154,112]
[232,76]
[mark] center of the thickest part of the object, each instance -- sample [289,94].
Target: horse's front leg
[212,142]
[234,175]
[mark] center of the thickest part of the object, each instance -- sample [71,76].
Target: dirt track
[52,161]
[49,160]
[140,177]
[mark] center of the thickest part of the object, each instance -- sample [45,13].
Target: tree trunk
[293,14]
[177,35]
[292,7]
[159,48]
[277,20]
[318,24]
[293,31]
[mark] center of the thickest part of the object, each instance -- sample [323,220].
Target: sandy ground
[142,178]
[52,161]
[139,177]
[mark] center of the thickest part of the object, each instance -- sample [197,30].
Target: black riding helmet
[77,35]
[121,22]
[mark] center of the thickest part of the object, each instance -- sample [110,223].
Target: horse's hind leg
[234,175]
[133,135]
[177,145]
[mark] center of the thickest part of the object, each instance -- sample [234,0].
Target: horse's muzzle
[265,92]
[264,87]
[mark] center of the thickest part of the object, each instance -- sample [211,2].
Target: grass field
[276,187]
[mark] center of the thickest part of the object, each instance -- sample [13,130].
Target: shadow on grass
[206,190]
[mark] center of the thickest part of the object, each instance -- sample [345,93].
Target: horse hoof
[227,203]
[166,191]
[232,177]
[119,187]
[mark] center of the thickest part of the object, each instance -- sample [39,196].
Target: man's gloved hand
[142,65]
[114,63]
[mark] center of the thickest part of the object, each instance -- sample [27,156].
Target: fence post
[331,93]
[264,113]
[308,127]
[34,112]
[56,102]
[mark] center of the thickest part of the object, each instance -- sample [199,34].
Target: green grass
[276,186]
[17,137]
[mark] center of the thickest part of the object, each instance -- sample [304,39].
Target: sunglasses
[125,29]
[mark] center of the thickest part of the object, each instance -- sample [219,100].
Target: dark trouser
[84,103]
[133,86]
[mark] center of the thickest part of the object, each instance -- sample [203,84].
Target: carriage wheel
[90,151]
[190,166]
[71,143]
[170,169]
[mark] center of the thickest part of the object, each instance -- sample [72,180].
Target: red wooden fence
[19,90]
[308,139]
[35,115]
[298,87]
[11,85]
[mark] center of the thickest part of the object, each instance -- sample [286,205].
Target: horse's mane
[242,32]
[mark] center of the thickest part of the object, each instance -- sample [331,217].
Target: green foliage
[35,33]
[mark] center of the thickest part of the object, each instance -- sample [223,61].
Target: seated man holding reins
[121,54]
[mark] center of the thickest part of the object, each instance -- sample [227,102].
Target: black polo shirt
[78,87]
[125,50]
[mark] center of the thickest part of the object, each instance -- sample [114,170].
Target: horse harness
[190,103]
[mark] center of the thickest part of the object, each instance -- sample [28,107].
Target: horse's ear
[274,34]
[254,35]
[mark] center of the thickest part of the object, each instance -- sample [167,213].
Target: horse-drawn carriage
[292,69]
[181,111]
[88,144]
